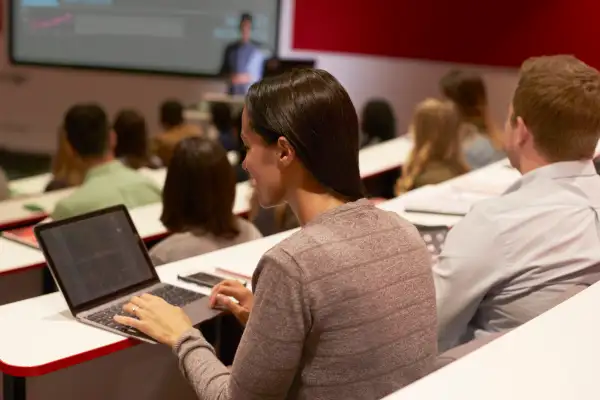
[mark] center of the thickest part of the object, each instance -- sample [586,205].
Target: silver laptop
[99,261]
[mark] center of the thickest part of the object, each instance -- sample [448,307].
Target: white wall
[30,112]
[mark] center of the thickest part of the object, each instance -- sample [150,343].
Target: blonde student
[437,153]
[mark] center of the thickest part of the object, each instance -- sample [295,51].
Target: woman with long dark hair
[343,308]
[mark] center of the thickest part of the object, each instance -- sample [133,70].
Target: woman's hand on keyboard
[156,318]
[221,297]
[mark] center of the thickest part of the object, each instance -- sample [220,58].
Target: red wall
[501,33]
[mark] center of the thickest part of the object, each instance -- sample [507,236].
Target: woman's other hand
[221,298]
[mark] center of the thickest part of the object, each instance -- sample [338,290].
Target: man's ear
[523,132]
[285,152]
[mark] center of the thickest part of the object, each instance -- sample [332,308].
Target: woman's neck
[308,205]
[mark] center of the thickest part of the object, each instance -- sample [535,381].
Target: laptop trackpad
[200,311]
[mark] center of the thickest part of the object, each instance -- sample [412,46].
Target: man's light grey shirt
[513,257]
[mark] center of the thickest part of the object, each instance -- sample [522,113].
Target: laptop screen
[96,256]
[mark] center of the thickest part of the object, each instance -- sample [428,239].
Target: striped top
[344,309]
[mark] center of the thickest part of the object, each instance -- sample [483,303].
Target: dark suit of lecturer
[243,60]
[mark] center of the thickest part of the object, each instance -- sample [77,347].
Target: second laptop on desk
[99,261]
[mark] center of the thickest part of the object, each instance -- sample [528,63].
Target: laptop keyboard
[171,294]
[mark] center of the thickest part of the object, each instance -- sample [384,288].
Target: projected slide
[178,36]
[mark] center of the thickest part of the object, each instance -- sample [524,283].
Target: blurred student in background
[222,122]
[68,170]
[198,200]
[107,181]
[132,141]
[482,143]
[378,125]
[174,130]
[378,122]
[437,154]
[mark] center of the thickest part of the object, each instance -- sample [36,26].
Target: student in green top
[107,181]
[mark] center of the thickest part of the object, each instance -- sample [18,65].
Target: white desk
[553,357]
[20,271]
[51,359]
[16,256]
[32,185]
[385,156]
[14,211]
[492,180]
[458,195]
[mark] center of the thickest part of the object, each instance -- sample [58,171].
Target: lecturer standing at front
[243,60]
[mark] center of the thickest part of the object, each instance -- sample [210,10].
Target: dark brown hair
[558,98]
[199,189]
[171,114]
[87,129]
[312,110]
[378,120]
[132,136]
[467,91]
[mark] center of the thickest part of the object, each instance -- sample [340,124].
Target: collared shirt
[108,185]
[514,257]
[244,58]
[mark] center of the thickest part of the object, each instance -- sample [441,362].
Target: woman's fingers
[239,293]
[241,313]
[158,319]
[128,321]
[130,308]
[218,289]
[139,301]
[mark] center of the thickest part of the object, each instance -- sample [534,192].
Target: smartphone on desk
[206,280]
[202,279]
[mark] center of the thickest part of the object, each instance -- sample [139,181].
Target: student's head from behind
[301,133]
[468,92]
[378,120]
[221,116]
[132,134]
[87,131]
[246,26]
[555,113]
[171,114]
[437,130]
[199,190]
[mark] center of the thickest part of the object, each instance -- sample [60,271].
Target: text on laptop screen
[96,257]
